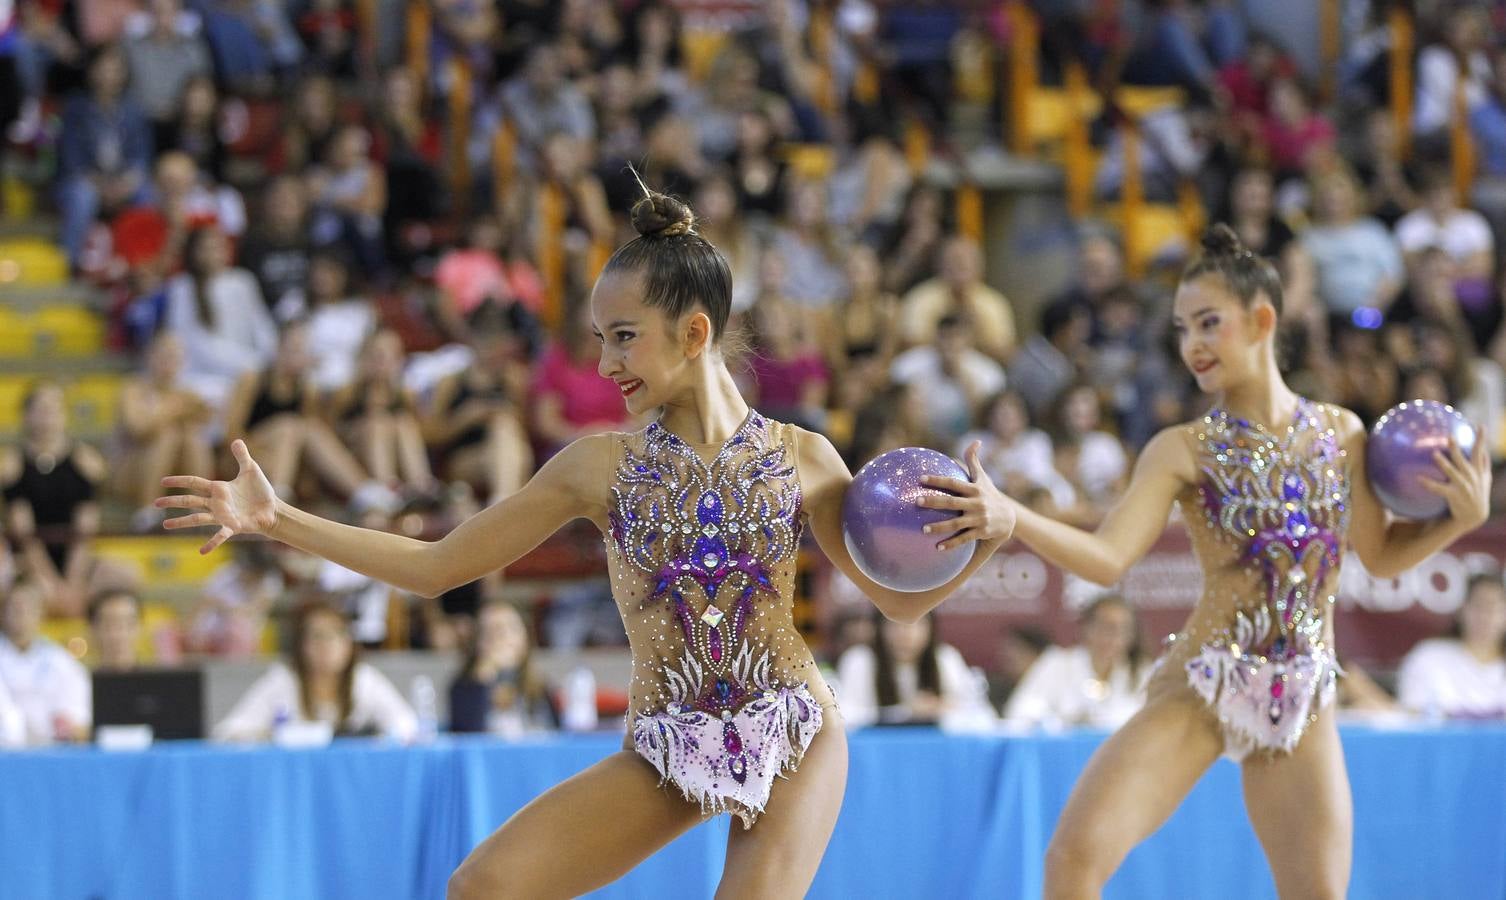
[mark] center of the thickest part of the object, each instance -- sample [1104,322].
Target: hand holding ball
[884,527]
[1400,451]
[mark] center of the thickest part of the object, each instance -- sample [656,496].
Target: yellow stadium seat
[162,560]
[32,262]
[810,160]
[71,633]
[13,390]
[1142,101]
[17,337]
[700,47]
[93,402]
[67,331]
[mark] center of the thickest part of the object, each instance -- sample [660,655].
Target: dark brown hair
[681,270]
[927,672]
[301,620]
[1245,273]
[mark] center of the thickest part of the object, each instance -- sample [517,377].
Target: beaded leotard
[1268,518]
[725,695]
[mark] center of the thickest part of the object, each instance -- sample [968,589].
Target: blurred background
[361,235]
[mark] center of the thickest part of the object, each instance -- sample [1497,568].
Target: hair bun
[1220,240]
[660,215]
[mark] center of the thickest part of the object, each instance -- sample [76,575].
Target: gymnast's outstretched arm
[571,485]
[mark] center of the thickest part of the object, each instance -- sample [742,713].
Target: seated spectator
[542,102]
[349,192]
[905,676]
[868,315]
[379,418]
[571,399]
[1252,214]
[195,129]
[1055,356]
[278,246]
[1092,459]
[1463,674]
[252,41]
[50,482]
[339,318]
[719,221]
[959,290]
[1390,182]
[1462,234]
[324,681]
[150,238]
[162,61]
[807,243]
[49,687]
[232,610]
[950,377]
[790,377]
[472,274]
[218,313]
[1466,33]
[475,420]
[164,429]
[1294,134]
[1019,647]
[104,152]
[498,689]
[1358,265]
[115,620]
[914,244]
[1100,682]
[1017,456]
[276,413]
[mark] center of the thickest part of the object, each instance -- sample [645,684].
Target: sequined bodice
[1268,519]
[702,561]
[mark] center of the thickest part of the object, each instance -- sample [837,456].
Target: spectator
[790,377]
[498,689]
[306,140]
[409,143]
[1252,214]
[1465,33]
[540,103]
[339,319]
[570,398]
[1293,134]
[1359,267]
[1464,673]
[719,221]
[231,613]
[150,237]
[1019,647]
[1100,682]
[164,429]
[813,274]
[1463,234]
[1091,459]
[104,152]
[906,676]
[50,482]
[195,128]
[253,42]
[1053,357]
[950,377]
[349,192]
[379,417]
[916,241]
[275,412]
[324,681]
[1018,457]
[959,290]
[277,249]
[115,620]
[868,315]
[1390,182]
[162,61]
[219,314]
[50,687]
[475,421]
[12,721]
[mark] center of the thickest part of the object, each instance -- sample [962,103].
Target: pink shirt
[781,382]
[585,397]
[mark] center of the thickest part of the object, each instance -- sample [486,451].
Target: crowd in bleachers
[361,236]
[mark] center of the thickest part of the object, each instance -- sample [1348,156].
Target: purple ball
[1400,451]
[882,525]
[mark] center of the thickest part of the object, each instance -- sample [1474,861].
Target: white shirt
[1437,74]
[1030,458]
[1441,676]
[336,332]
[1463,234]
[858,693]
[12,723]
[242,337]
[949,402]
[1061,687]
[46,684]
[1101,462]
[375,704]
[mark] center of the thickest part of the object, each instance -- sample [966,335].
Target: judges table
[926,815]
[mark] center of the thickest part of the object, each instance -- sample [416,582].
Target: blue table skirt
[926,815]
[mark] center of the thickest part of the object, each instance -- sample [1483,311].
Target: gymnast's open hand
[247,505]
[987,515]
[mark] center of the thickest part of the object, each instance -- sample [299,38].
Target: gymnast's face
[646,353]
[1218,338]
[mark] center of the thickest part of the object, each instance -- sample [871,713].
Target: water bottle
[426,707]
[580,700]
